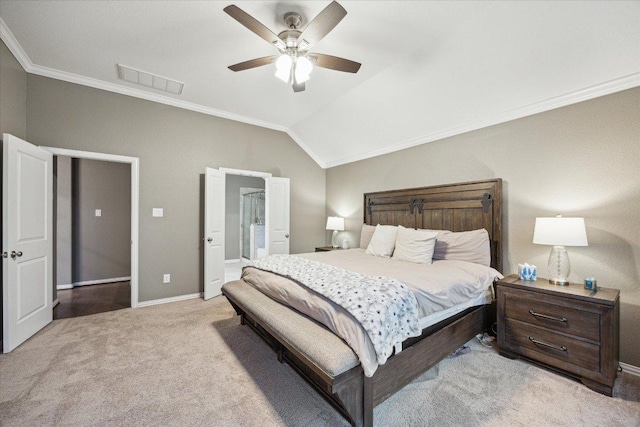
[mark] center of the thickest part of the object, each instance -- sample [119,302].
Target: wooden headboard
[455,207]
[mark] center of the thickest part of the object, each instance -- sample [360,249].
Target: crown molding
[30,67]
[7,37]
[585,94]
[137,93]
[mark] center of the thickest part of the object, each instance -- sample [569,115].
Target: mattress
[442,289]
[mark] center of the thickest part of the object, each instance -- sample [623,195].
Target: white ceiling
[430,69]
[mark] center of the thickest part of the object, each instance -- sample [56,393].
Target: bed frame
[455,207]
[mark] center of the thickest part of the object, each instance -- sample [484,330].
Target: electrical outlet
[98,212]
[166,278]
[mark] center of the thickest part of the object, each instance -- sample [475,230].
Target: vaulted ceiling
[429,69]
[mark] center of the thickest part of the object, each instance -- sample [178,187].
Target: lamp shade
[560,231]
[335,223]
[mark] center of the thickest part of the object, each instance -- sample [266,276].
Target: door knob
[15,254]
[209,239]
[286,235]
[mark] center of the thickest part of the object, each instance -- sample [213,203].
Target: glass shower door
[253,212]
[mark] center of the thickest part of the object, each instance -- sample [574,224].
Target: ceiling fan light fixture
[295,61]
[303,69]
[283,68]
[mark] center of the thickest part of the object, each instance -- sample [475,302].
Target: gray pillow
[365,235]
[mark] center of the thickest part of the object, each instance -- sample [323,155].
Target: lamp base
[559,282]
[559,267]
[334,239]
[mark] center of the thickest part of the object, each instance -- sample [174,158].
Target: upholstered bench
[298,333]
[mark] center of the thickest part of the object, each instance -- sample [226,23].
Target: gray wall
[101,245]
[13,95]
[174,147]
[232,211]
[581,160]
[63,228]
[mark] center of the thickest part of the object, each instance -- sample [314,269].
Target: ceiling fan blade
[253,63]
[335,63]
[254,25]
[298,87]
[321,25]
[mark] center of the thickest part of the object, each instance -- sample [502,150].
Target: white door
[214,199]
[277,215]
[27,243]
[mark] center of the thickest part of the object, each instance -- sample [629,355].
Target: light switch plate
[166,278]
[158,212]
[98,212]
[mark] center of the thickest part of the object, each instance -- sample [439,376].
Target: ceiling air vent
[150,80]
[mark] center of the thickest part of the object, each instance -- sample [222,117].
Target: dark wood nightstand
[327,249]
[568,328]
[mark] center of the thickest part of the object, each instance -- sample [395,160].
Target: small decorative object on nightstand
[570,328]
[527,272]
[590,283]
[336,224]
[560,232]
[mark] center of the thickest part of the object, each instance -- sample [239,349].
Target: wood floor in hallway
[85,300]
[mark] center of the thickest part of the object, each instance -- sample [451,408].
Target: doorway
[92,245]
[244,222]
[276,219]
[134,168]
[252,223]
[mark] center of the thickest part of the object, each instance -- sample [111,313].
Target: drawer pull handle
[555,347]
[544,316]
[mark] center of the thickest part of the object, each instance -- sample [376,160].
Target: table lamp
[336,224]
[560,232]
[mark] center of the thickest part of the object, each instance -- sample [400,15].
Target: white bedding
[442,287]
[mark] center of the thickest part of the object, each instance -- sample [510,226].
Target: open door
[277,215]
[27,241]
[214,217]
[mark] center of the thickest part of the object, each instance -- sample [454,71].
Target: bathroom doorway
[252,221]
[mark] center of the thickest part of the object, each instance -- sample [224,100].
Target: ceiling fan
[295,63]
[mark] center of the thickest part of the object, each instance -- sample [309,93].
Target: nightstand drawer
[522,306]
[552,348]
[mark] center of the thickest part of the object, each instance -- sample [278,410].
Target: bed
[324,360]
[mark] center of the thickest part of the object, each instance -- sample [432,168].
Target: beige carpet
[191,364]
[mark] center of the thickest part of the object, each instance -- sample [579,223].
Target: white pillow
[383,241]
[366,234]
[414,245]
[472,246]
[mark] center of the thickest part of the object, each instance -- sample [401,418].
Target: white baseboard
[94,282]
[630,369]
[56,302]
[170,299]
[231,261]
[102,281]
